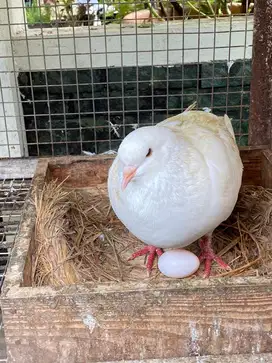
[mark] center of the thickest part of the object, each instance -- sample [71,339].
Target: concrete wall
[115,46]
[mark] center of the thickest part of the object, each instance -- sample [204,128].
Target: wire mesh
[13,193]
[76,81]
[78,76]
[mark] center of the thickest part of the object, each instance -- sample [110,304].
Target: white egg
[178,263]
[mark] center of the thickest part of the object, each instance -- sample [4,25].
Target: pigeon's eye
[149,153]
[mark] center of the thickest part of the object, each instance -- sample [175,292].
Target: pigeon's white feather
[189,187]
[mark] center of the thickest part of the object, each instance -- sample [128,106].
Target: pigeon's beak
[128,173]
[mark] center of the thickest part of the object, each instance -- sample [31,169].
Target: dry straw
[78,238]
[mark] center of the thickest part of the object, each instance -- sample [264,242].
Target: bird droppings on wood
[194,346]
[256,345]
[216,327]
[89,321]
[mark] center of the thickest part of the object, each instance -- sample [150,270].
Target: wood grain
[252,166]
[266,168]
[3,353]
[84,172]
[141,324]
[236,358]
[80,172]
[260,89]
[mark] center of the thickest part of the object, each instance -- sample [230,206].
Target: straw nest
[78,238]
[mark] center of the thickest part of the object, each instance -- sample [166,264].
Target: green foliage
[124,7]
[38,14]
[210,8]
[68,8]
[207,8]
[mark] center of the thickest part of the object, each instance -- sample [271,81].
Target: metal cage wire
[12,196]
[80,86]
[75,89]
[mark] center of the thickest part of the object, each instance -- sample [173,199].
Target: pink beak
[128,173]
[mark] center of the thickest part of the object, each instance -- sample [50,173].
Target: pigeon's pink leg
[209,256]
[152,251]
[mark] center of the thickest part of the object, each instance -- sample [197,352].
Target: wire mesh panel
[12,196]
[78,76]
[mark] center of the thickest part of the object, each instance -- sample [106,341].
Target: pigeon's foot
[152,252]
[209,256]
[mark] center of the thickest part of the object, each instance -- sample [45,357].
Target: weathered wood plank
[260,90]
[236,358]
[138,324]
[82,175]
[252,166]
[3,352]
[266,168]
[81,172]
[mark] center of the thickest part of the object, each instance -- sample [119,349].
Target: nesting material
[78,238]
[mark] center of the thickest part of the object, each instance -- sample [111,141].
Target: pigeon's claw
[152,252]
[208,255]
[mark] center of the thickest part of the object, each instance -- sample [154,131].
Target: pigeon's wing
[228,125]
[199,119]
[213,137]
[202,129]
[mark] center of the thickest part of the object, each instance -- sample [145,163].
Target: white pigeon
[174,183]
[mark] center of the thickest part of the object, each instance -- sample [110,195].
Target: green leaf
[38,14]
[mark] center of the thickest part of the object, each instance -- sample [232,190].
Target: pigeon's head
[144,151]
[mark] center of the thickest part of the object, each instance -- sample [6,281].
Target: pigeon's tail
[228,124]
[191,107]
[227,120]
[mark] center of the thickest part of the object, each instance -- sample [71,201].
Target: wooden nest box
[226,319]
[131,321]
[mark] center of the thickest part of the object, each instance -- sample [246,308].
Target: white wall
[12,135]
[117,46]
[114,46]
